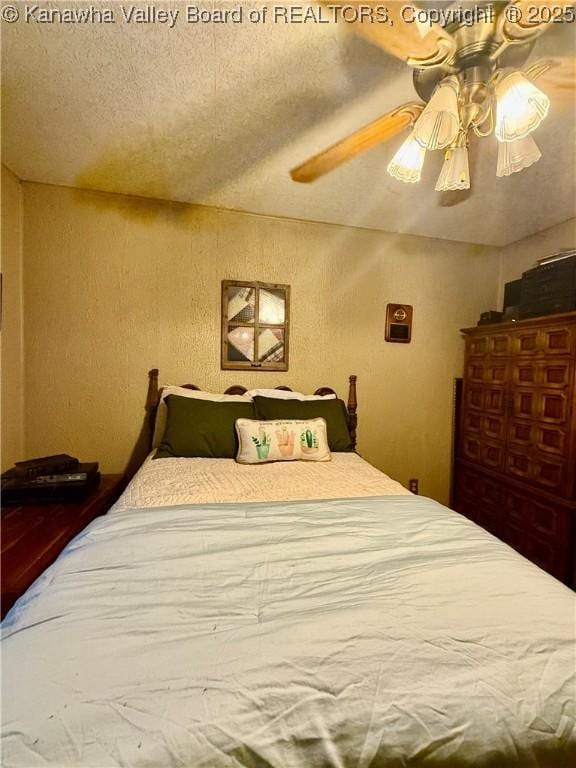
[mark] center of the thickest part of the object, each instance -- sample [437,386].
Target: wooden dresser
[515,457]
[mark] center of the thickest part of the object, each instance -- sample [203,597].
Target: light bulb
[438,125]
[514,156]
[520,107]
[455,173]
[406,165]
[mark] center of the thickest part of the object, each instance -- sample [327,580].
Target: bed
[313,615]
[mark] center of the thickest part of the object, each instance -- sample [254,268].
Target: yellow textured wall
[11,335]
[115,286]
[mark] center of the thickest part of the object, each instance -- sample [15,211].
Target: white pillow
[162,411]
[281,440]
[284,394]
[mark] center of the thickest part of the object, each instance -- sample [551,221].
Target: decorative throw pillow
[282,440]
[332,411]
[201,428]
[198,394]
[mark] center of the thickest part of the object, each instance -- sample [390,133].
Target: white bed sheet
[384,632]
[162,482]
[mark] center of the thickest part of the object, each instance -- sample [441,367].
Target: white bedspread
[348,633]
[161,482]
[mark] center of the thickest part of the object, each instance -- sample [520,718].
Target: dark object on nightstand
[32,468]
[49,488]
[34,535]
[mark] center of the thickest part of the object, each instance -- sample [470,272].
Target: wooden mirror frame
[155,391]
[256,324]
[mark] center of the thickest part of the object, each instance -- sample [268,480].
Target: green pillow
[201,428]
[333,411]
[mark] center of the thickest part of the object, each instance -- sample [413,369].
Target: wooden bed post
[152,399]
[352,407]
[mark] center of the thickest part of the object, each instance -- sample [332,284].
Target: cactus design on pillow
[262,444]
[309,441]
[285,441]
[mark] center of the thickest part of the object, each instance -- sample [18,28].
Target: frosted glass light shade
[406,165]
[438,125]
[514,156]
[520,107]
[455,173]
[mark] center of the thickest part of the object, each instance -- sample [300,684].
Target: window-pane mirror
[255,319]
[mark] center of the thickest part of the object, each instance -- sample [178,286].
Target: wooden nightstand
[34,535]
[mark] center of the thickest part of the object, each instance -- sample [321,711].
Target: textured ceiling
[218,114]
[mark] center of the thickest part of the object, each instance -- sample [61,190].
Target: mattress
[161,482]
[380,631]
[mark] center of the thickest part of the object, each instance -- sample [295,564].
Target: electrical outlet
[413,485]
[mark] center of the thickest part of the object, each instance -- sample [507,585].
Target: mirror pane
[271,345]
[241,302]
[241,344]
[272,306]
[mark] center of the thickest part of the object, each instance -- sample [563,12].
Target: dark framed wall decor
[255,326]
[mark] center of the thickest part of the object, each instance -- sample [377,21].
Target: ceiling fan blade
[525,17]
[388,26]
[557,78]
[380,130]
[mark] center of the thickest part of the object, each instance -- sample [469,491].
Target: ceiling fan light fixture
[438,125]
[520,107]
[455,173]
[514,156]
[406,165]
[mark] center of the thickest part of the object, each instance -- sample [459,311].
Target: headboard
[153,399]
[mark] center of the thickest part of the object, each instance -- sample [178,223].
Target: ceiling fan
[470,74]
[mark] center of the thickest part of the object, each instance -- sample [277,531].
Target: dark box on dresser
[549,289]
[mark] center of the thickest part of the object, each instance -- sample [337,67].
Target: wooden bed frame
[154,392]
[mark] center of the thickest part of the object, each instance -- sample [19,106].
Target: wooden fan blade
[524,17]
[389,27]
[562,75]
[559,80]
[380,130]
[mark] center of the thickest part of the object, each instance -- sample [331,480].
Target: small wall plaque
[399,323]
